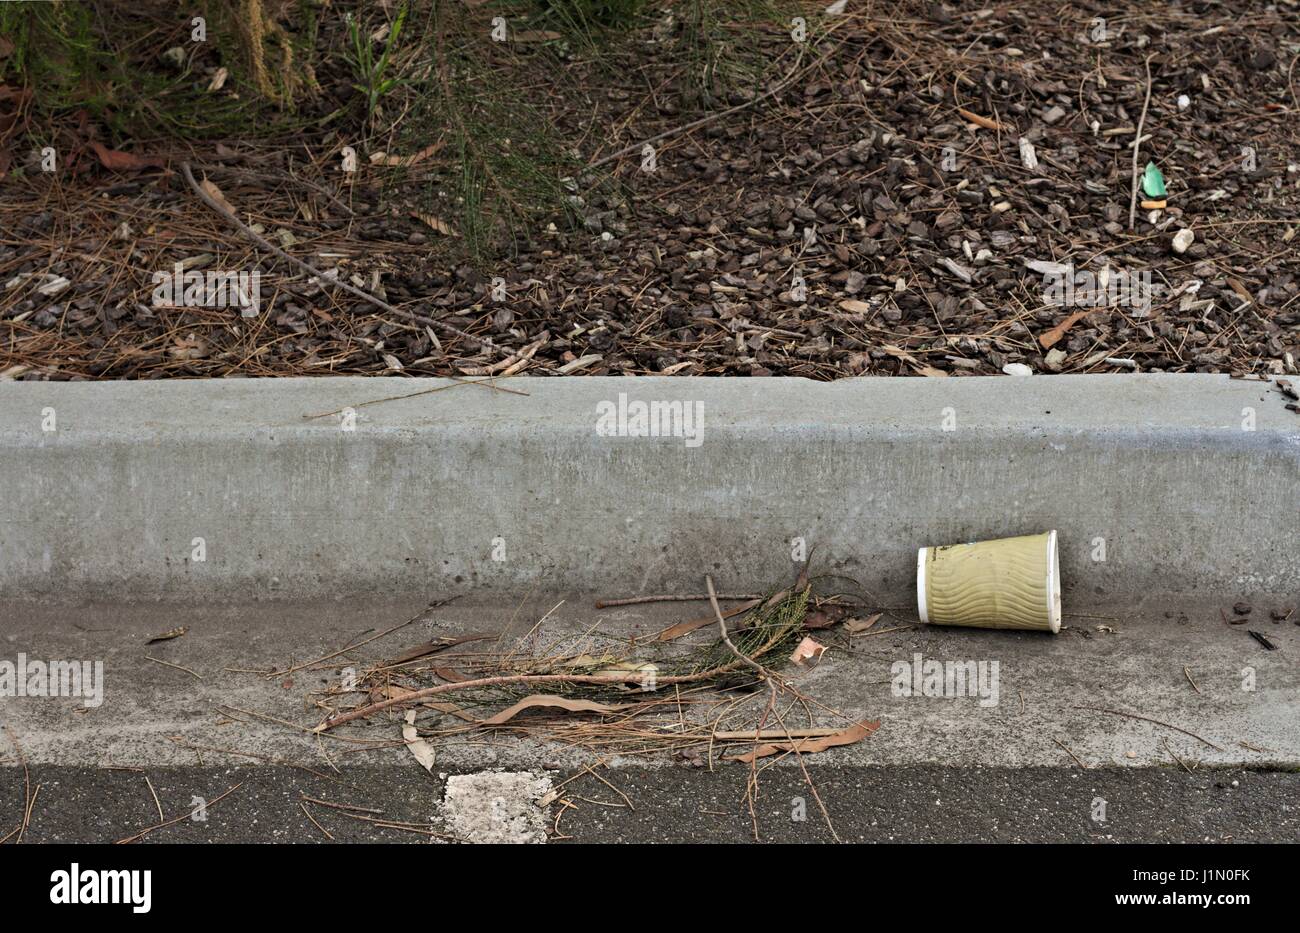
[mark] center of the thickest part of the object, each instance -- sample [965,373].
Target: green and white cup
[1008,583]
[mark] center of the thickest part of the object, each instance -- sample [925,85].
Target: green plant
[714,41]
[54,50]
[372,74]
[502,180]
[586,19]
[79,56]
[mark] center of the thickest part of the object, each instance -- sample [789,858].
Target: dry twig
[1137,144]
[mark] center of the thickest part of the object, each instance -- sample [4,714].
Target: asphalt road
[923,803]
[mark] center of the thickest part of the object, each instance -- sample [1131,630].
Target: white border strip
[1053,584]
[920,586]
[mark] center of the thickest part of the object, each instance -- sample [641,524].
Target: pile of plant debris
[610,698]
[705,691]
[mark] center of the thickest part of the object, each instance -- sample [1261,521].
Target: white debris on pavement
[497,807]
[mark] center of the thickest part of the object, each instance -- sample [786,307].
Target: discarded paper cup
[1007,583]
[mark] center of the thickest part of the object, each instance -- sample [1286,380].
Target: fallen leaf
[383,158]
[18,115]
[982,121]
[858,626]
[922,368]
[215,193]
[684,628]
[117,161]
[421,749]
[825,618]
[189,347]
[1241,290]
[808,650]
[854,733]
[549,700]
[1051,337]
[168,636]
[536,35]
[435,223]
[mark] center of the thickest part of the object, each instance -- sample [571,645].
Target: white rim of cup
[1053,584]
[920,586]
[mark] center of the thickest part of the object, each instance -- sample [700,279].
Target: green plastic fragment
[1153,183]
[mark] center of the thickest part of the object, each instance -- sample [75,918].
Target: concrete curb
[1190,482]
